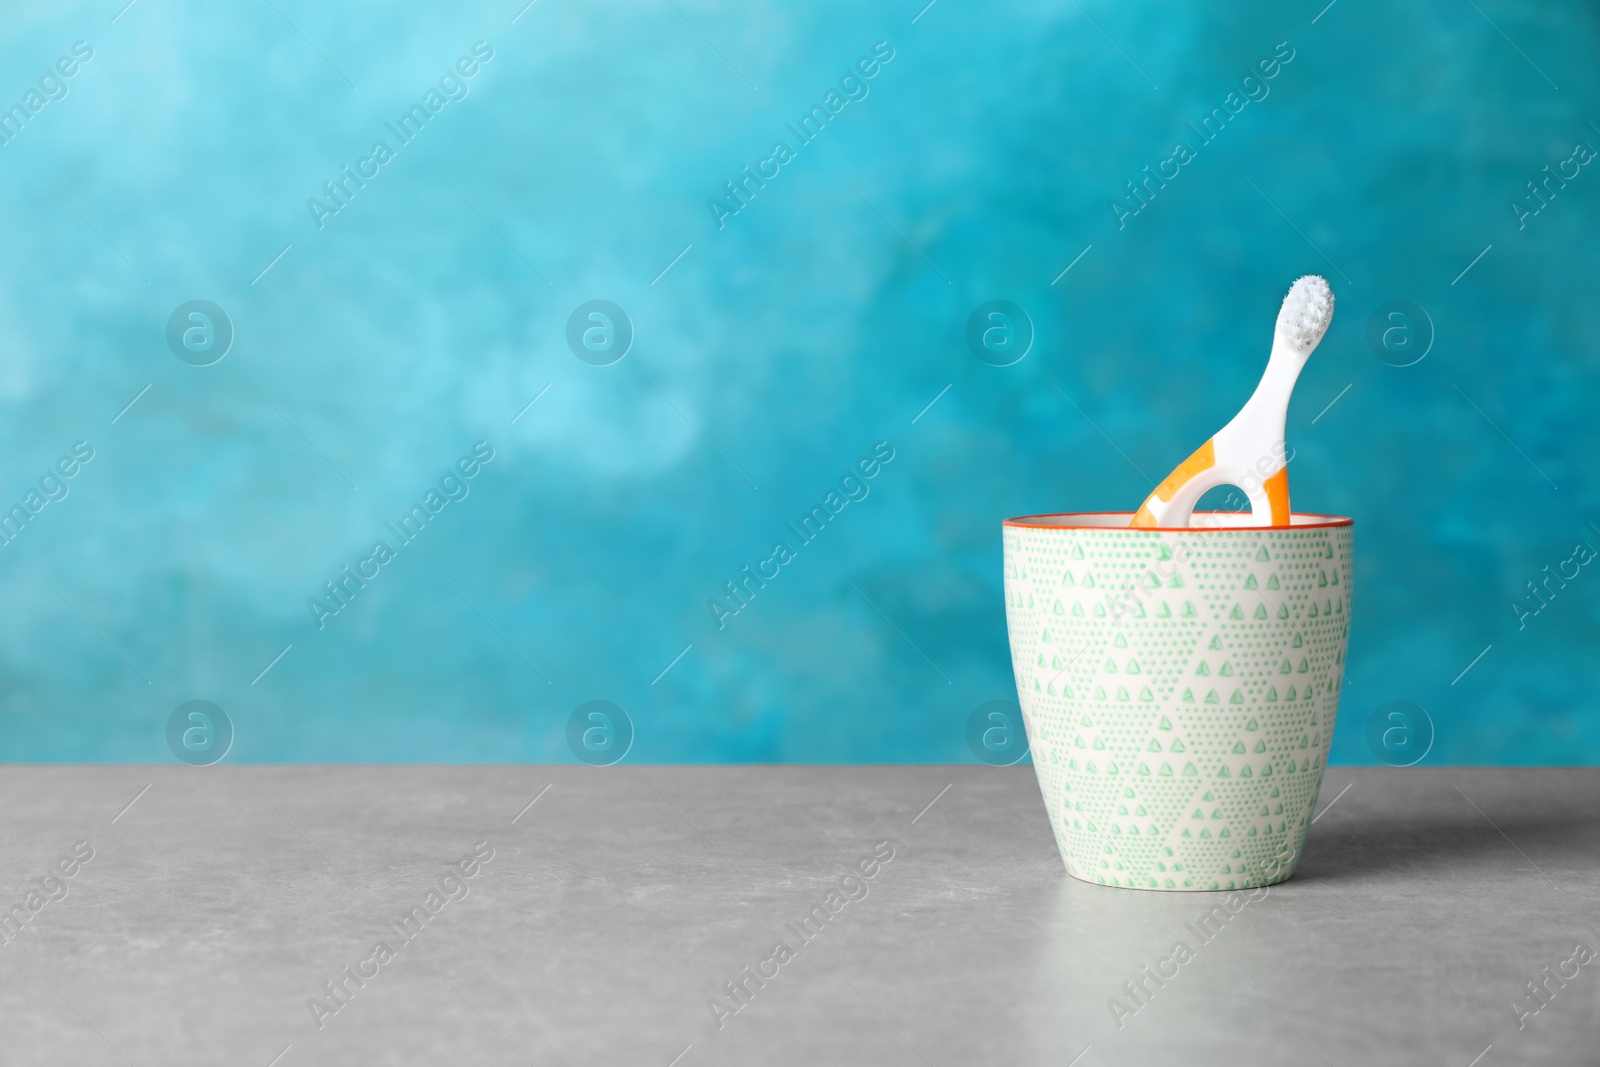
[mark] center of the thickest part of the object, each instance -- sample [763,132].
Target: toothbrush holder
[1179,688]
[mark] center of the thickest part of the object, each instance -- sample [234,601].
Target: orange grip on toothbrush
[1203,459]
[1277,488]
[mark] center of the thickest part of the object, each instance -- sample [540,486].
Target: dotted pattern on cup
[1180,692]
[599,332]
[1000,333]
[199,733]
[599,733]
[199,332]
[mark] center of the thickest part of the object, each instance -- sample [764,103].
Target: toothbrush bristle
[1306,312]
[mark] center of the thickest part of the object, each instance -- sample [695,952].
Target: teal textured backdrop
[402,216]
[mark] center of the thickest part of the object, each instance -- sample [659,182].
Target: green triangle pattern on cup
[1180,744]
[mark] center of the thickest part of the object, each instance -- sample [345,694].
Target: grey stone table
[541,915]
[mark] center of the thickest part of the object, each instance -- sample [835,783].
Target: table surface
[619,901]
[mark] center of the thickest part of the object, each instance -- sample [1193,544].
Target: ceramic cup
[1179,687]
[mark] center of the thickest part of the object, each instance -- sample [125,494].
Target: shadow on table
[1365,843]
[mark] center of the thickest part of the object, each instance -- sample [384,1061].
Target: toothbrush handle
[1203,459]
[1172,503]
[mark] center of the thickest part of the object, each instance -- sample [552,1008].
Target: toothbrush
[1249,452]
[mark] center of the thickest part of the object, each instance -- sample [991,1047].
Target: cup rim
[1027,522]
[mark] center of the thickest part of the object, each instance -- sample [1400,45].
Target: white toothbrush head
[1306,313]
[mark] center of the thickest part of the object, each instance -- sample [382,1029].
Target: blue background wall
[820,319]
